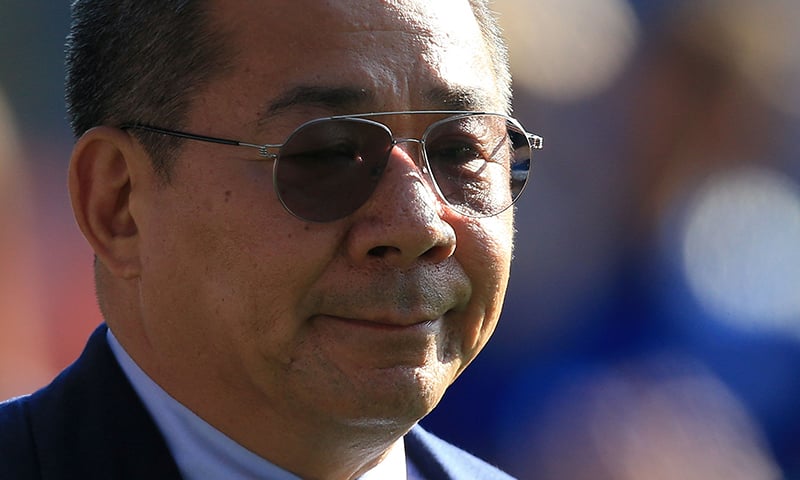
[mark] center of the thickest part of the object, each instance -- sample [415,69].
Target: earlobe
[100,180]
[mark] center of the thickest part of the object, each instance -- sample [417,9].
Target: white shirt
[202,452]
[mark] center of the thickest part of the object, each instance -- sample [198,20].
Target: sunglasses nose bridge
[419,157]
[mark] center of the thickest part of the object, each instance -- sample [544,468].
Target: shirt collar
[201,451]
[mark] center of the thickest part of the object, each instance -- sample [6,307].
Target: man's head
[315,344]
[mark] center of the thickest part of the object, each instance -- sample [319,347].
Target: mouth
[387,333]
[380,342]
[386,325]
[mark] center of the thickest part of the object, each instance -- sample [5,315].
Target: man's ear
[100,173]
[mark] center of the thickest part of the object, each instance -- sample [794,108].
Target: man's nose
[404,221]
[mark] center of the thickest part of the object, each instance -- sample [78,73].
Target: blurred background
[652,324]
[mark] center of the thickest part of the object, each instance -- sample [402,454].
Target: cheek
[484,251]
[230,264]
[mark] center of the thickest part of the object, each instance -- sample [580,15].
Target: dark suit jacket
[90,424]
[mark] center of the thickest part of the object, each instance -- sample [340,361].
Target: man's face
[364,320]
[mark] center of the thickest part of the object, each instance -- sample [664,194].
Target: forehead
[397,52]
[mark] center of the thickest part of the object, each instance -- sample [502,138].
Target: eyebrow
[349,99]
[458,98]
[333,98]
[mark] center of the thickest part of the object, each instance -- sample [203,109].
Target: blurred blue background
[652,324]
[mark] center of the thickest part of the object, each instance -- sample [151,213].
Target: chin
[398,399]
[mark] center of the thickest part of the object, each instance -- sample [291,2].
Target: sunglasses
[328,168]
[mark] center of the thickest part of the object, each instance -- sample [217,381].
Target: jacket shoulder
[88,423]
[17,449]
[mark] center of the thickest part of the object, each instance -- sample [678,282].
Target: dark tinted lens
[480,162]
[329,168]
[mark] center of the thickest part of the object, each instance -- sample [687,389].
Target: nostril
[385,251]
[380,251]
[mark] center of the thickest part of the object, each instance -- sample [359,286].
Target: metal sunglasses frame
[534,141]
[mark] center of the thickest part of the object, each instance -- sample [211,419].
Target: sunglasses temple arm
[263,150]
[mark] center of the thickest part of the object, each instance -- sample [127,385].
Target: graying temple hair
[495,42]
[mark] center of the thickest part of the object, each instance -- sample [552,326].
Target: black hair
[139,61]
